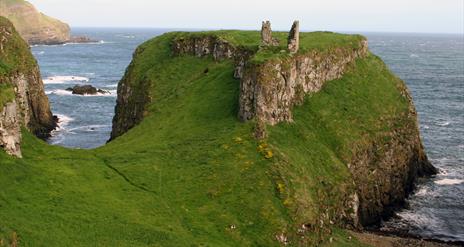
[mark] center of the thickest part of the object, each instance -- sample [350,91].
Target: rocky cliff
[385,169]
[27,105]
[33,26]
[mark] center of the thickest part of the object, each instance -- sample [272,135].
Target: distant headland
[35,27]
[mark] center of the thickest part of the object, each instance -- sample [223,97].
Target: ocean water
[431,65]
[85,121]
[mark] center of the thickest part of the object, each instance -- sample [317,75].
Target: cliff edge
[23,96]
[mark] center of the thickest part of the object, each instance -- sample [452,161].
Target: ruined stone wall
[269,91]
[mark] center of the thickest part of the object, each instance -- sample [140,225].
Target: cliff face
[130,104]
[385,169]
[29,106]
[269,91]
[33,26]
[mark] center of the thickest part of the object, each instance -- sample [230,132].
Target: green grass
[190,171]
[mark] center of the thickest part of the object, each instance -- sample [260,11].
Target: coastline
[383,239]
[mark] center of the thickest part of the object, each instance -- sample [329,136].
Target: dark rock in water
[102,91]
[81,39]
[86,90]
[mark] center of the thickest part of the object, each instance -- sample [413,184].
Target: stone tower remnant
[294,38]
[266,35]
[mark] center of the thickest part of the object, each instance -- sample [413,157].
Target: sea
[432,65]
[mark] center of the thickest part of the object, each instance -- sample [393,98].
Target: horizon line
[276,30]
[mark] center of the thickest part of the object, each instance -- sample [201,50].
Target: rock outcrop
[385,172]
[130,103]
[10,129]
[35,27]
[268,91]
[30,105]
[86,90]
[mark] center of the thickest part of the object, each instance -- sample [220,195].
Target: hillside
[33,26]
[189,172]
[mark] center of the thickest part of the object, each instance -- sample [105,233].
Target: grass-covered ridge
[191,174]
[251,40]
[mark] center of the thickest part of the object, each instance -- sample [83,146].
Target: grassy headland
[192,174]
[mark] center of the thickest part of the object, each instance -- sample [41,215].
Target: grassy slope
[191,170]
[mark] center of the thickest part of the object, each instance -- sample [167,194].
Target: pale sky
[429,16]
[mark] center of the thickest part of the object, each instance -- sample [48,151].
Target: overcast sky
[430,16]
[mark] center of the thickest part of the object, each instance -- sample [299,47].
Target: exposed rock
[385,173]
[80,39]
[269,91]
[35,27]
[30,104]
[130,103]
[10,129]
[294,38]
[86,90]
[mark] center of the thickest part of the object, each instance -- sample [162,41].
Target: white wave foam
[63,120]
[421,192]
[418,218]
[449,181]
[64,79]
[413,55]
[60,92]
[113,85]
[63,92]
[90,128]
[443,124]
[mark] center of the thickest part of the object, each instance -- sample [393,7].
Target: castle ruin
[266,35]
[293,41]
[294,37]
